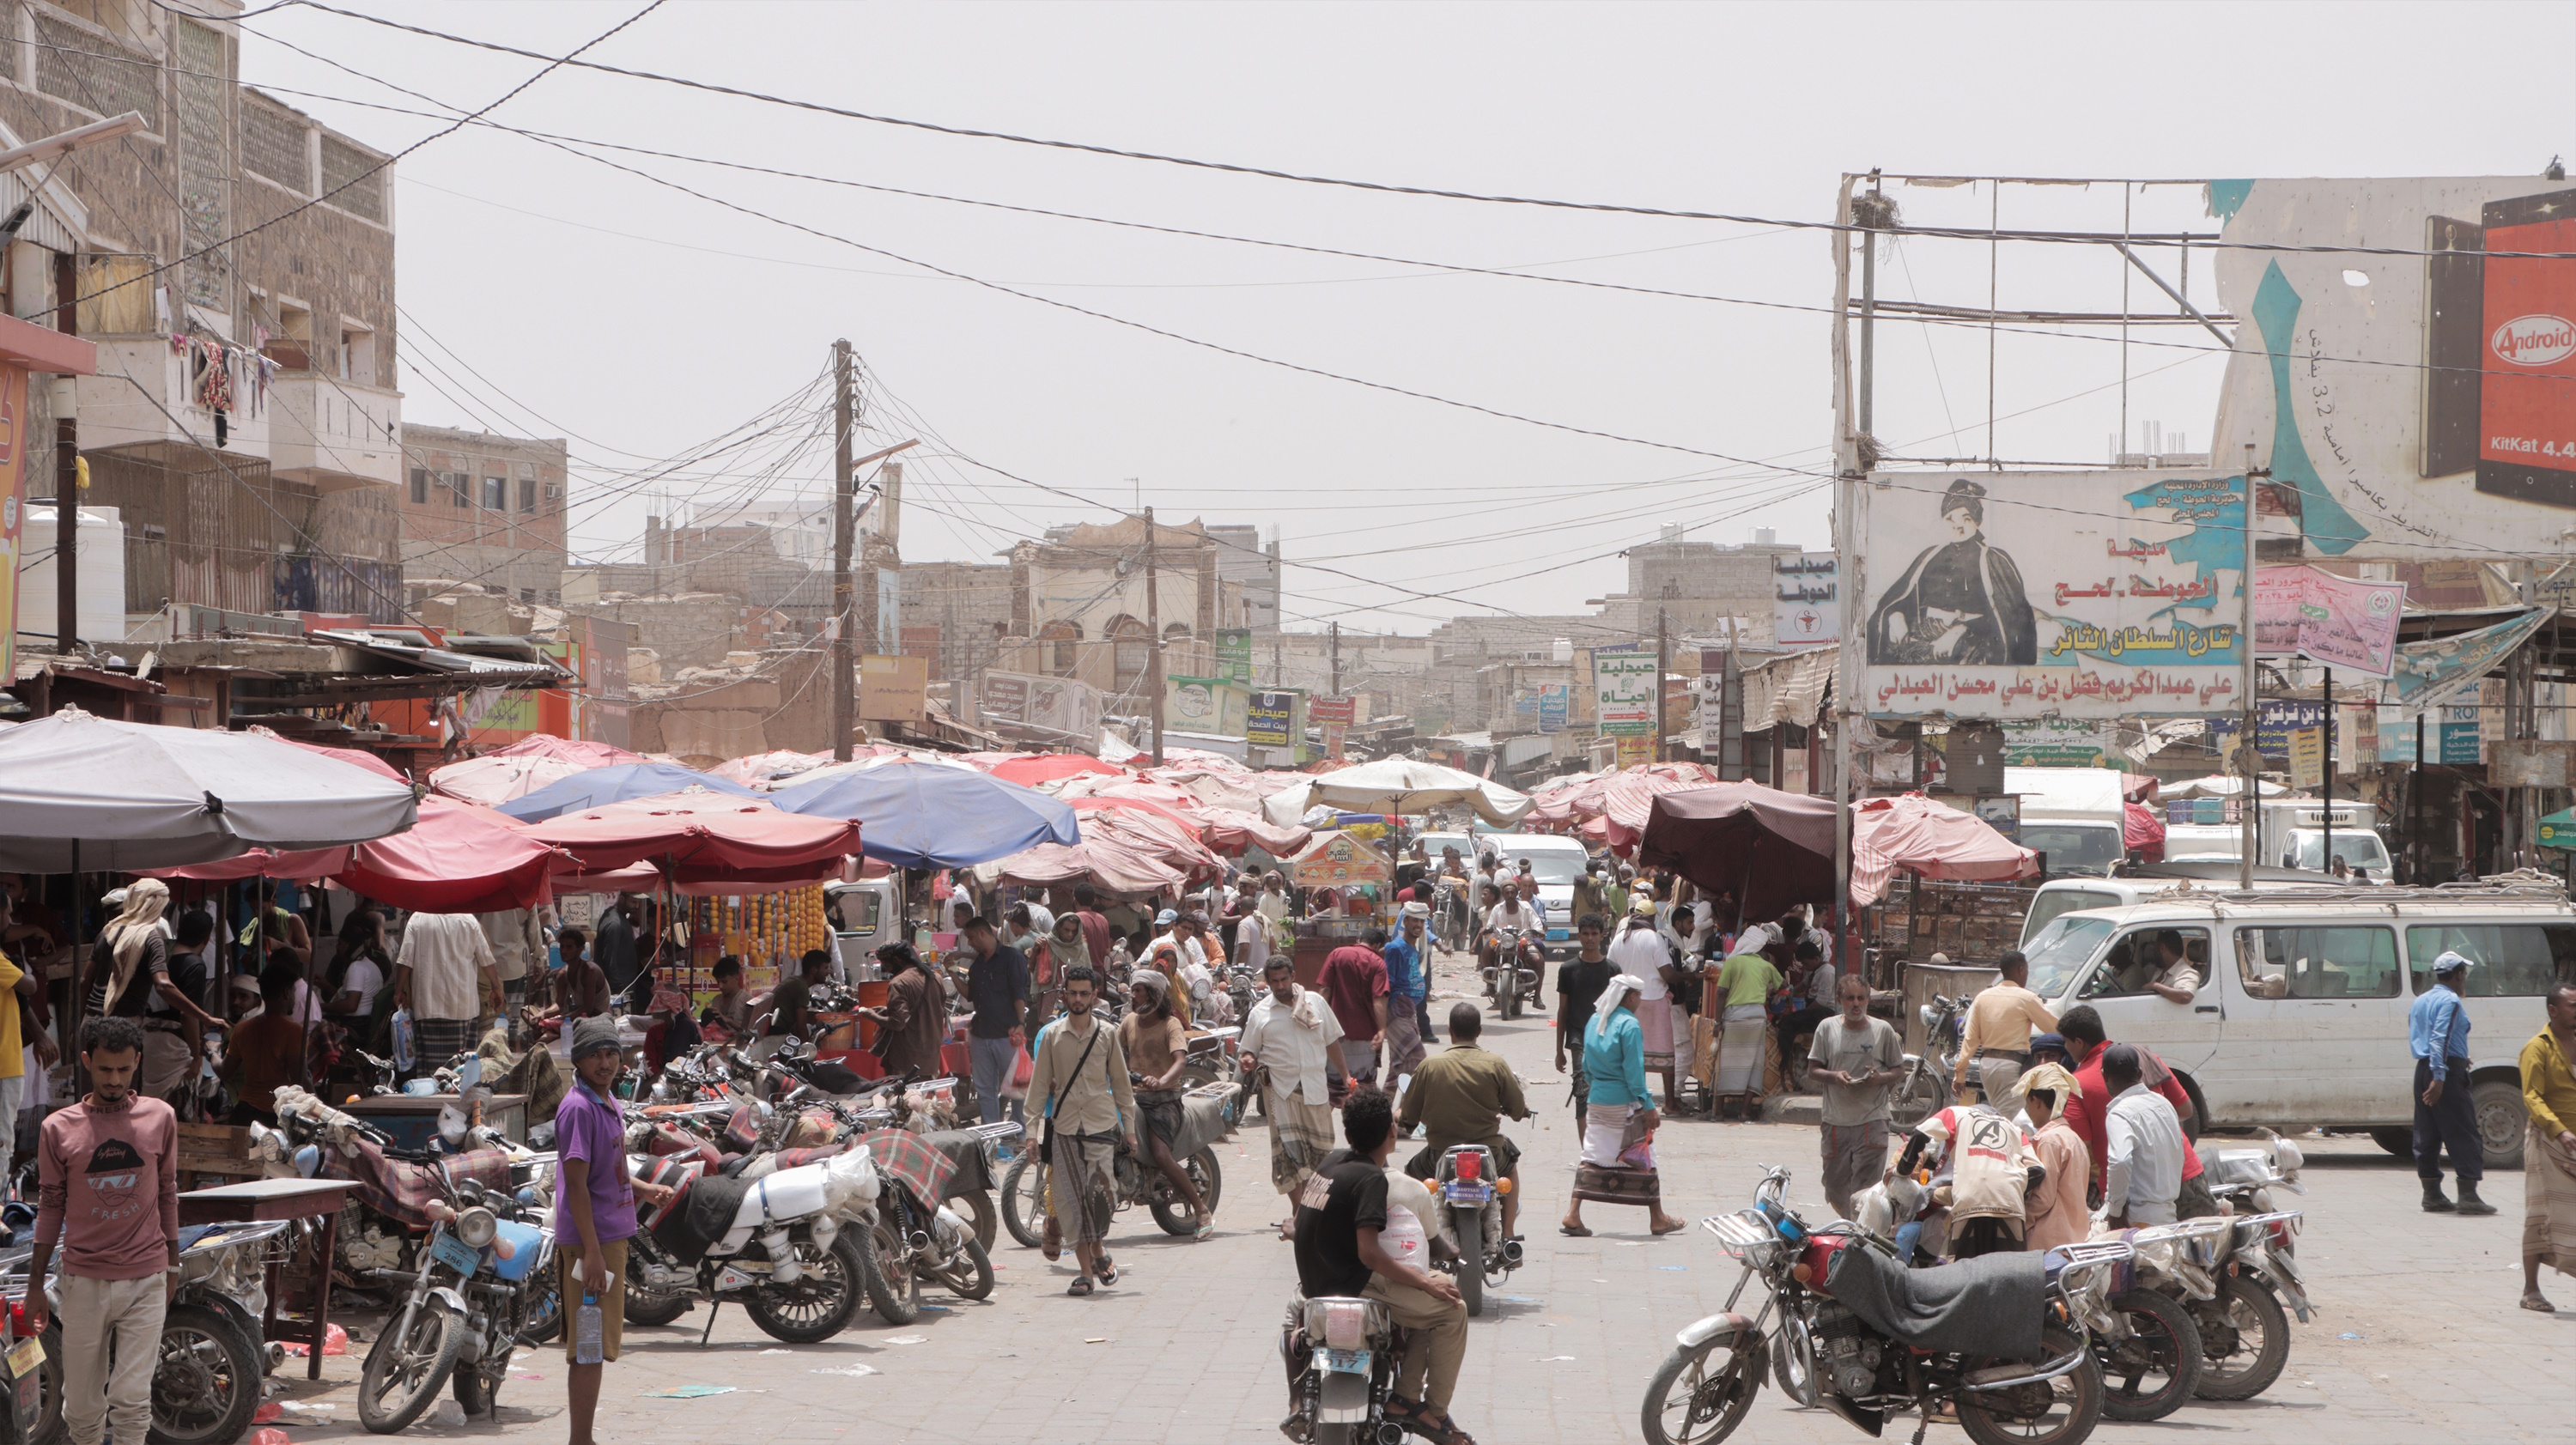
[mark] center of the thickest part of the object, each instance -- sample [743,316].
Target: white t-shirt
[1515,914]
[365,977]
[1642,951]
[1820,986]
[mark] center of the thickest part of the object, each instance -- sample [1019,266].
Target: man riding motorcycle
[1460,1096]
[1519,909]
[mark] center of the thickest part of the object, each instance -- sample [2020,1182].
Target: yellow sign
[1335,860]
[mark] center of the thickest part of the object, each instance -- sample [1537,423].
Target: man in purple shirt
[594,1205]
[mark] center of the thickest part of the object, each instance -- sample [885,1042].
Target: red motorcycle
[2001,1338]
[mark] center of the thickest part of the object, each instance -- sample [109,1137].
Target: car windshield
[1553,869]
[2059,952]
[2357,850]
[2073,847]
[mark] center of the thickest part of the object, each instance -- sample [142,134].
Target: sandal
[1436,1427]
[2539,1302]
[1206,1229]
[1574,1231]
[1676,1227]
[1081,1286]
[1108,1272]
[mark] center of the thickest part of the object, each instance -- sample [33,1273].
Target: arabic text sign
[2026,594]
[1234,655]
[1624,691]
[1336,711]
[1552,700]
[2056,742]
[2277,726]
[2338,621]
[1806,604]
[1271,720]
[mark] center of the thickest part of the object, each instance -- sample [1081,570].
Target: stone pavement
[2418,1339]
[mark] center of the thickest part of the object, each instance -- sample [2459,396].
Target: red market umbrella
[571,750]
[457,859]
[694,836]
[1030,769]
[1929,839]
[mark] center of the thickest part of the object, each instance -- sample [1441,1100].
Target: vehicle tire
[1024,1203]
[644,1307]
[1512,1001]
[49,1428]
[2502,1120]
[206,1383]
[818,1305]
[2152,1373]
[407,1368]
[2397,1139]
[1920,1094]
[1471,1260]
[1201,1167]
[2244,1340]
[2198,1123]
[972,1278]
[545,1320]
[892,1291]
[1675,1413]
[976,1208]
[1796,1376]
[2075,1403]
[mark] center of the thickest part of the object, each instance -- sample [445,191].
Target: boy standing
[594,1209]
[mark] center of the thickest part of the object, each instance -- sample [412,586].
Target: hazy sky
[547,294]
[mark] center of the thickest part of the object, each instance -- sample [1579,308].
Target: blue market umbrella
[615,784]
[929,815]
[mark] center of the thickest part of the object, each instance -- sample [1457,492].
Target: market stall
[1346,881]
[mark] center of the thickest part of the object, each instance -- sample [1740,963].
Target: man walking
[1354,982]
[2437,1029]
[1408,989]
[594,1211]
[2002,1018]
[108,1187]
[2549,1148]
[2142,1163]
[1858,1060]
[1289,1047]
[997,984]
[439,977]
[1090,1110]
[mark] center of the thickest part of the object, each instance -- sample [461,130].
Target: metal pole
[1154,625]
[1872,217]
[845,616]
[1337,659]
[2327,858]
[2249,751]
[1663,729]
[1846,522]
[2415,806]
[66,468]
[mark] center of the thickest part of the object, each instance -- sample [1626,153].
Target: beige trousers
[95,1394]
[1436,1347]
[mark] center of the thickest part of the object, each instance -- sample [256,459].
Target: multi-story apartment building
[484,511]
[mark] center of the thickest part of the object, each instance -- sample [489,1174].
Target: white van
[2139,882]
[2301,1017]
[2074,816]
[1555,862]
[2294,836]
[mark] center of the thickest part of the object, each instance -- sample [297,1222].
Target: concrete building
[1242,559]
[1079,604]
[235,265]
[1698,586]
[484,511]
[957,615]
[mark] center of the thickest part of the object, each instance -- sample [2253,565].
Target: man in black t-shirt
[1579,981]
[1339,1217]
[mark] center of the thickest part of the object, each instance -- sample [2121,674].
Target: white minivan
[2301,1017]
[1555,862]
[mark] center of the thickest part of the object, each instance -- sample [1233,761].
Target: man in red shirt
[2081,1029]
[1354,983]
[1095,924]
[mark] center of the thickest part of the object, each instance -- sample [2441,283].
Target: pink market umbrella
[587,753]
[495,779]
[1930,839]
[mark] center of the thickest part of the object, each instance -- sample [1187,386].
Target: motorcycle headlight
[1927,1015]
[477,1227]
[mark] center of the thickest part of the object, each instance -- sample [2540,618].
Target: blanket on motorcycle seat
[1204,1124]
[1991,1305]
[967,1171]
[911,1160]
[701,1215]
[403,1189]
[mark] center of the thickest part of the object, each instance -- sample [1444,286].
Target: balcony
[332,433]
[141,397]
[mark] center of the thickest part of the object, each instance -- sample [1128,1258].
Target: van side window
[2317,963]
[2507,960]
[2139,958]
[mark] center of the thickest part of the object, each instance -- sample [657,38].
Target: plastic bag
[1639,1155]
[1023,1070]
[1404,1237]
[402,1031]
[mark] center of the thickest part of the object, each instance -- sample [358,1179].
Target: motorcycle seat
[1992,1305]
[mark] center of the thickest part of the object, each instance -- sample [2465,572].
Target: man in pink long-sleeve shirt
[108,1187]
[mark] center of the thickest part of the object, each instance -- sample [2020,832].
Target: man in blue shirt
[1407,987]
[2437,1029]
[997,984]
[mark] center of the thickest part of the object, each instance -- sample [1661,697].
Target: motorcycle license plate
[25,1356]
[1342,1362]
[456,1254]
[1460,1193]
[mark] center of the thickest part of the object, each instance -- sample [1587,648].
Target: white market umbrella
[1398,785]
[82,792]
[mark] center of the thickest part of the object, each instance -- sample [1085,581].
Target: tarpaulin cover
[138,795]
[618,783]
[1030,769]
[1224,830]
[1931,839]
[1772,850]
[457,859]
[492,781]
[1398,785]
[767,767]
[1123,850]
[571,750]
[354,757]
[2142,831]
[702,835]
[928,815]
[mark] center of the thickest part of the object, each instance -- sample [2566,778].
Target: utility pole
[1154,625]
[845,616]
[1662,727]
[1872,213]
[2248,738]
[67,469]
[1337,659]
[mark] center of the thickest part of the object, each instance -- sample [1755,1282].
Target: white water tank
[1563,651]
[102,576]
[1765,537]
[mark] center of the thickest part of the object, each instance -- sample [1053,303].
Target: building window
[527,494]
[496,494]
[1134,647]
[358,355]
[420,486]
[460,488]
[1062,649]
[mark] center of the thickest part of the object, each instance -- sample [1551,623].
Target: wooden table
[282,1199]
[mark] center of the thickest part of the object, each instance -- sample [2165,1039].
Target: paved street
[2418,1341]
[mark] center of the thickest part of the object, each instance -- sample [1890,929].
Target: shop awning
[1771,850]
[703,835]
[933,815]
[1930,839]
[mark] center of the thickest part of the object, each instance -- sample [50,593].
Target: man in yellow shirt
[15,988]
[2001,1021]
[2549,1148]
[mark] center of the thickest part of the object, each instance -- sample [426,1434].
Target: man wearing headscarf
[1289,1049]
[1960,601]
[2056,1214]
[140,985]
[1618,1162]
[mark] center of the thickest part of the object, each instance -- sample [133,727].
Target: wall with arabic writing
[2033,594]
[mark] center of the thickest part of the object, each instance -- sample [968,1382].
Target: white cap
[2451,961]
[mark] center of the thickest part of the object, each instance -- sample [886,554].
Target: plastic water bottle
[589,1330]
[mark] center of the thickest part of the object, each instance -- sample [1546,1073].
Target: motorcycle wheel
[49,1428]
[893,1292]
[1471,1260]
[1201,1167]
[206,1383]
[473,1395]
[2074,1403]
[1793,1369]
[1024,1206]
[1512,1001]
[644,1307]
[972,1276]
[2244,1339]
[2152,1373]
[406,1368]
[1919,1095]
[976,1208]
[1703,1391]
[545,1319]
[817,1306]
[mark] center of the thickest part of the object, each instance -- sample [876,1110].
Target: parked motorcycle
[1820,1282]
[1925,1089]
[486,1264]
[911,1239]
[1468,1195]
[1342,1356]
[206,1383]
[1513,978]
[774,1245]
[1136,1180]
[2230,1296]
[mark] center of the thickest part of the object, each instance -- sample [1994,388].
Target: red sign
[1338,711]
[2527,391]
